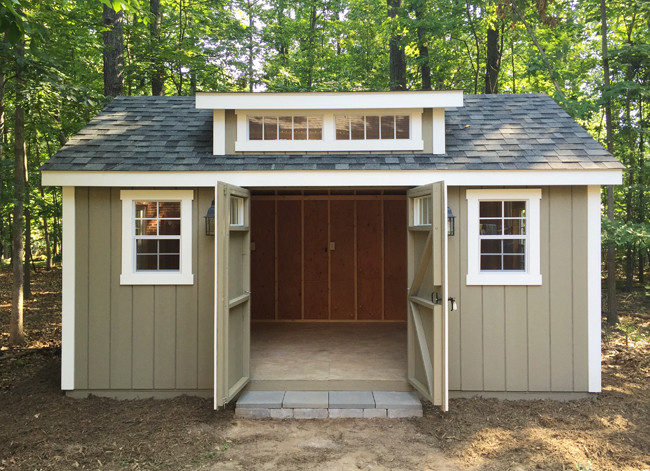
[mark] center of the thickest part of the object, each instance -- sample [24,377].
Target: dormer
[409,121]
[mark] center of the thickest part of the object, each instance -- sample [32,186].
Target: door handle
[454,305]
[434,297]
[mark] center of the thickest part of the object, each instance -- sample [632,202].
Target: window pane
[514,262]
[402,127]
[372,127]
[315,129]
[270,128]
[145,209]
[388,127]
[146,246]
[423,211]
[490,209]
[299,128]
[342,128]
[146,227]
[514,226]
[170,227]
[490,262]
[169,262]
[170,246]
[490,227]
[357,126]
[514,246]
[255,128]
[236,207]
[491,246]
[514,209]
[169,209]
[147,262]
[286,133]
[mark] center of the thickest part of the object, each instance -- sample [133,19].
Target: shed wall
[139,337]
[524,338]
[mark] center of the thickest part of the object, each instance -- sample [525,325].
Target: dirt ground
[40,428]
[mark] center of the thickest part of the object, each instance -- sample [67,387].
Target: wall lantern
[209,220]
[451,222]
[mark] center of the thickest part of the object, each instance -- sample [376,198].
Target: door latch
[434,298]
[453,305]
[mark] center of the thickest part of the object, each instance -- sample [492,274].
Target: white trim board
[593,289]
[329,100]
[333,178]
[68,291]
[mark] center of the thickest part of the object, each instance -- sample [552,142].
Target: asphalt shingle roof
[502,132]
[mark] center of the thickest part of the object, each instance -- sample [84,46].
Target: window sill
[330,146]
[503,279]
[156,279]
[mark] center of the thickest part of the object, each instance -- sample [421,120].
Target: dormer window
[285,128]
[367,127]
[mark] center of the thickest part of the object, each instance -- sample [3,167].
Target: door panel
[232,272]
[427,293]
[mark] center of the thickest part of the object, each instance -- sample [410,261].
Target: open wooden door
[232,297]
[427,296]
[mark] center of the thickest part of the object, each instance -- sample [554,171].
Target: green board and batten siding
[524,338]
[158,340]
[130,338]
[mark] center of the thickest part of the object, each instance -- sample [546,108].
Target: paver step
[327,404]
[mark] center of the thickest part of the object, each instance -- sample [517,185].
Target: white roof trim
[330,101]
[334,178]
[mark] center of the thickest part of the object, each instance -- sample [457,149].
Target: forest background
[61,61]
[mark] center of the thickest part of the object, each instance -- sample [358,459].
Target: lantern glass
[451,222]
[209,221]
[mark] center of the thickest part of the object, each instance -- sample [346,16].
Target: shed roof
[491,132]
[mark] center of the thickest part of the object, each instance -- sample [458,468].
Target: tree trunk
[492,62]
[612,314]
[3,64]
[423,49]
[157,70]
[16,330]
[113,52]
[46,236]
[397,54]
[470,20]
[27,272]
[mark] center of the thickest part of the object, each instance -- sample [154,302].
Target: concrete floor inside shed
[330,355]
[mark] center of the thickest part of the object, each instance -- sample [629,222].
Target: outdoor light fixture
[451,222]
[209,220]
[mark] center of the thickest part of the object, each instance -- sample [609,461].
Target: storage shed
[382,241]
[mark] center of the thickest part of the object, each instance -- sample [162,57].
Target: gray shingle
[528,131]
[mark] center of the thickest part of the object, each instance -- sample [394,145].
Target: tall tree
[397,54]
[157,69]
[492,61]
[113,52]
[16,329]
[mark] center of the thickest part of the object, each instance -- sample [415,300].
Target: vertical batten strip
[68,296]
[593,288]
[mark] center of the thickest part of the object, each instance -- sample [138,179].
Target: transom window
[369,127]
[156,237]
[285,128]
[503,237]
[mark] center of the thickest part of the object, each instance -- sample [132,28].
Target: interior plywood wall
[298,275]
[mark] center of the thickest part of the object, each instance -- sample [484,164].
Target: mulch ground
[40,428]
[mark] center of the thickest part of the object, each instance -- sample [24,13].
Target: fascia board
[333,178]
[330,101]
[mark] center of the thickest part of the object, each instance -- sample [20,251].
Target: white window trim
[129,275]
[532,275]
[329,143]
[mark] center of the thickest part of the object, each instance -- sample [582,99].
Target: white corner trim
[219,132]
[594,315]
[68,289]
[329,100]
[439,142]
[129,275]
[532,275]
[331,178]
